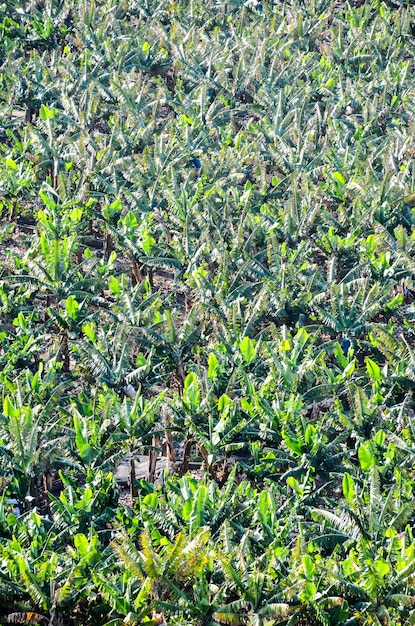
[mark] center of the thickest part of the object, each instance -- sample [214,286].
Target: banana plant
[52,278]
[219,437]
[140,429]
[135,235]
[50,266]
[376,571]
[350,308]
[48,582]
[33,440]
[293,360]
[83,506]
[247,577]
[167,573]
[177,341]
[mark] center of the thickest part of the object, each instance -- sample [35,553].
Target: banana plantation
[207,312]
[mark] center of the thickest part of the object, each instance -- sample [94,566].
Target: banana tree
[169,574]
[33,440]
[376,573]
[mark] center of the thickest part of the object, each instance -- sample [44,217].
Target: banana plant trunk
[133,486]
[152,460]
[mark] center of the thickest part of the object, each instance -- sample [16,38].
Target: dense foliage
[209,203]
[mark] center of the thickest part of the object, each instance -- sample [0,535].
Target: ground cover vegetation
[207,249]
